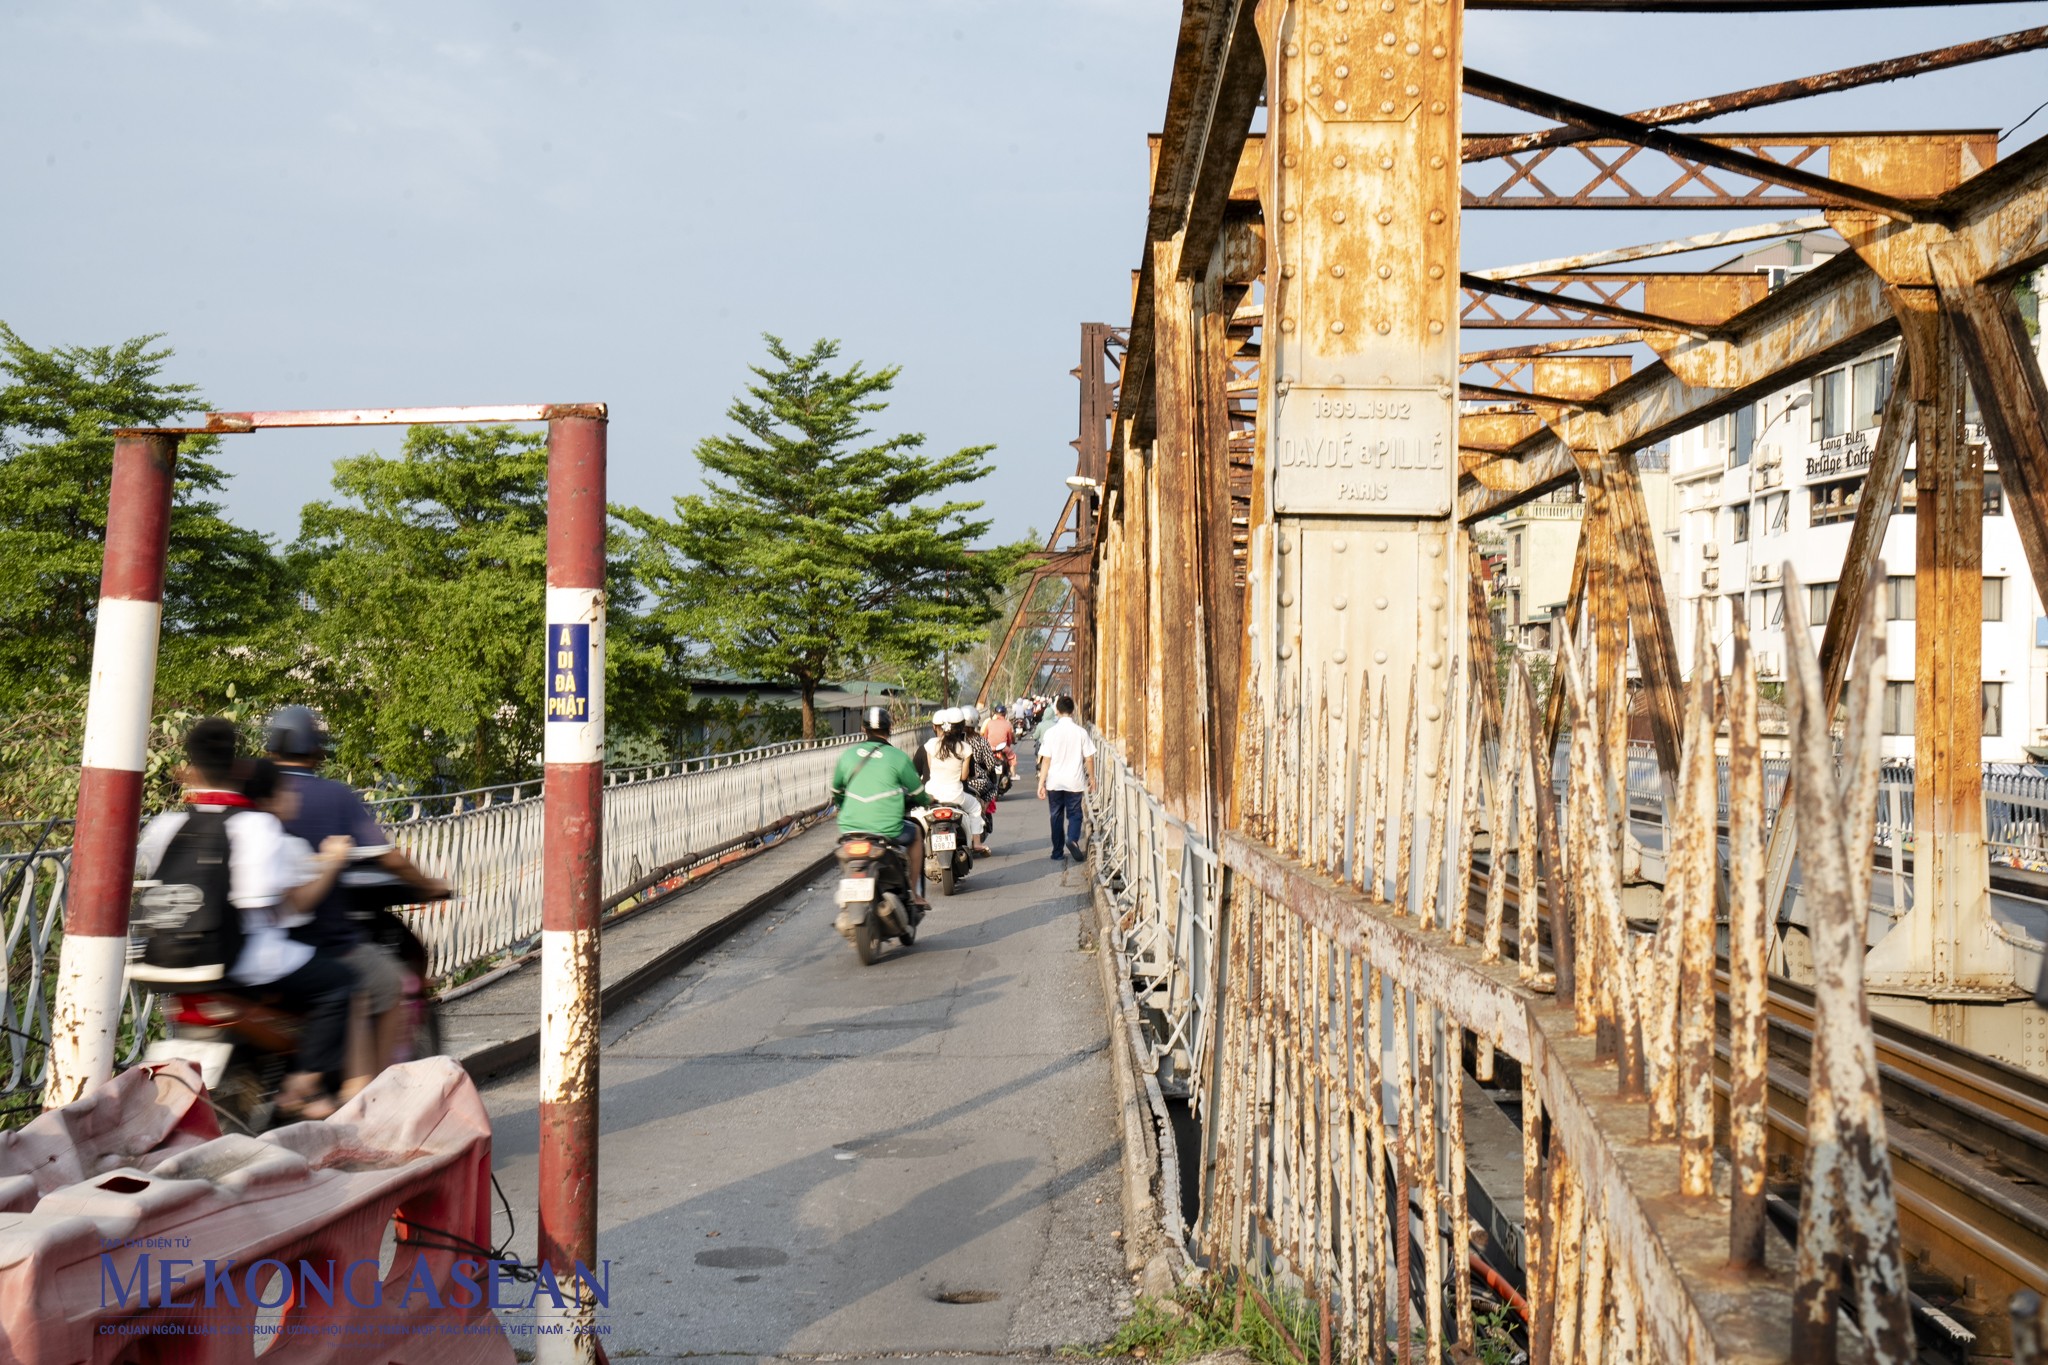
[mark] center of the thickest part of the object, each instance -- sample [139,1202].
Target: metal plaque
[1363,452]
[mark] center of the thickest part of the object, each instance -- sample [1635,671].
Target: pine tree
[818,550]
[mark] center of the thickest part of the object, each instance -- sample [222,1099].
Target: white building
[1778,482]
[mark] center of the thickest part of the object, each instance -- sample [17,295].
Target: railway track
[1969,1144]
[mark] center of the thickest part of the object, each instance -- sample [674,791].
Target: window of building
[1900,601]
[1898,708]
[1515,549]
[1777,512]
[1909,491]
[1515,607]
[1870,385]
[1994,495]
[1833,502]
[1830,404]
[1820,600]
[1744,444]
[1994,599]
[1994,709]
[1738,522]
[1774,608]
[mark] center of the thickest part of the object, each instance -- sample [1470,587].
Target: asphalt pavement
[804,1156]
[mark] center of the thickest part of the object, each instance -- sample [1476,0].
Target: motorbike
[947,857]
[244,1048]
[874,895]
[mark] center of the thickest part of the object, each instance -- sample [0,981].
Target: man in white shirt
[1066,769]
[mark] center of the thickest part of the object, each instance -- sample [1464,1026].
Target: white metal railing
[486,843]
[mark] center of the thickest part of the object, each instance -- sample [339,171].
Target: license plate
[944,843]
[856,889]
[211,1056]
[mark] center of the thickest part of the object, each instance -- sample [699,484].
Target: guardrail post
[89,966]
[572,849]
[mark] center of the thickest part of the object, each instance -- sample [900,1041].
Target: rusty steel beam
[1690,303]
[1676,246]
[1602,123]
[1603,172]
[1777,92]
[234,423]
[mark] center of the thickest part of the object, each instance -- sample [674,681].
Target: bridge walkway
[802,1156]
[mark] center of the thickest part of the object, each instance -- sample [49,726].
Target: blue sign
[569,672]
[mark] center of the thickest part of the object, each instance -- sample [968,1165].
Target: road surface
[803,1156]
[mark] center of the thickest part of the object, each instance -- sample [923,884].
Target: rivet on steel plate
[1338,161]
[1438,50]
[1287,215]
[1436,215]
[1294,49]
[1316,89]
[1436,106]
[1338,655]
[1287,324]
[1338,545]
[1386,163]
[1287,651]
[1435,326]
[1414,49]
[1379,656]
[1287,271]
[1436,272]
[1385,327]
[1339,603]
[1436,547]
[1285,544]
[1315,49]
[1380,546]
[1337,270]
[1433,713]
[1337,326]
[1380,602]
[1291,105]
[1342,106]
[1437,162]
[1386,106]
[1338,216]
[1436,661]
[1389,38]
[1386,272]
[1386,217]
[1286,599]
[1342,72]
[1386,73]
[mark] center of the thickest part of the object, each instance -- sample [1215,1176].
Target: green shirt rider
[873,786]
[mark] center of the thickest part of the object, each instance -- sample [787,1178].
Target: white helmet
[971,714]
[949,716]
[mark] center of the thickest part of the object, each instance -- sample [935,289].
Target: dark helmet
[877,720]
[295,732]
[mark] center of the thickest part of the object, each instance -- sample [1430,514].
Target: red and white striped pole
[572,851]
[87,1010]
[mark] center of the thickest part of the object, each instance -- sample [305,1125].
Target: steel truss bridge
[1433,1046]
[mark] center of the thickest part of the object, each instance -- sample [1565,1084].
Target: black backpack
[181,924]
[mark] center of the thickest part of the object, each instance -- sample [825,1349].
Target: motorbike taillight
[205,1011]
[943,814]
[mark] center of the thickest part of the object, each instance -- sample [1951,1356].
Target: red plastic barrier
[137,1119]
[183,1254]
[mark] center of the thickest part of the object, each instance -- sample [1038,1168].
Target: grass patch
[1215,1314]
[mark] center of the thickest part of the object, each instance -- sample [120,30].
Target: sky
[339,203]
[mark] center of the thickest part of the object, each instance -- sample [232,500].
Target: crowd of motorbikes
[874,893]
[245,1047]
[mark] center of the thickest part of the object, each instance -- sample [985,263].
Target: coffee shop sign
[1845,454]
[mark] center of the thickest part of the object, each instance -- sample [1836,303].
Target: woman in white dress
[947,754]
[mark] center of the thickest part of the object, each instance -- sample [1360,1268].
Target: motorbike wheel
[946,880]
[865,944]
[244,1095]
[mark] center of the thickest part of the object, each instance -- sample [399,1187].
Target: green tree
[427,585]
[816,551]
[58,408]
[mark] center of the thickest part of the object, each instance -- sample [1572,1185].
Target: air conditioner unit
[1769,457]
[1767,664]
[1514,581]
[1710,579]
[1769,478]
[1710,550]
[1764,573]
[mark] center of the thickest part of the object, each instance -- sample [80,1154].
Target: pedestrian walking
[1066,769]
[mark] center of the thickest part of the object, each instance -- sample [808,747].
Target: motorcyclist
[983,770]
[1002,738]
[874,785]
[297,742]
[949,761]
